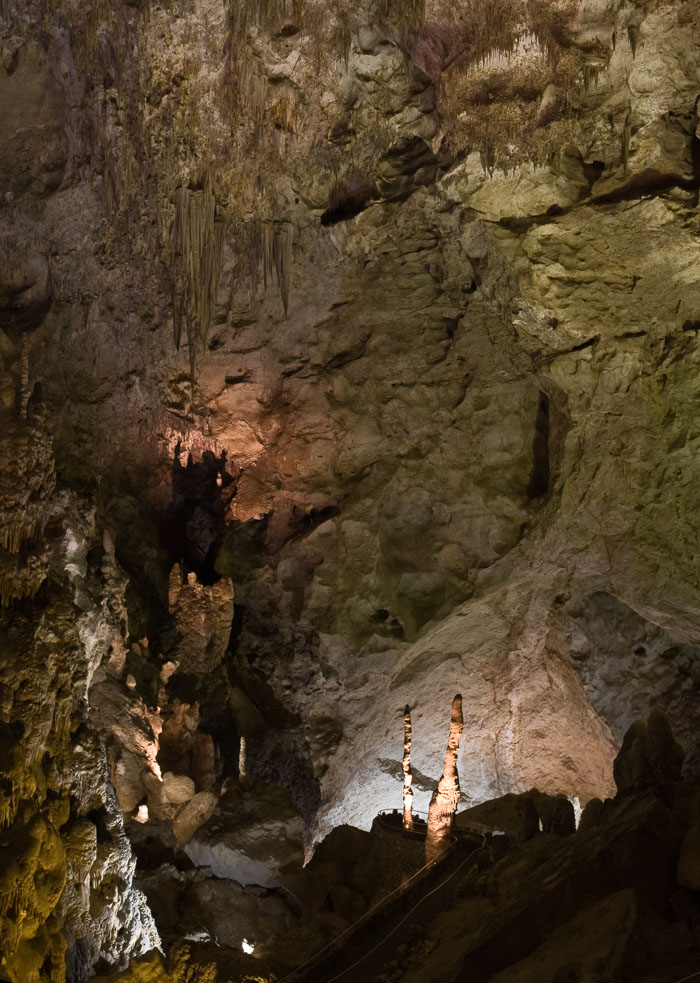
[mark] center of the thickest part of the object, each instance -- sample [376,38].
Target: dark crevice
[593,171]
[586,344]
[540,473]
[589,343]
[100,817]
[646,184]
[342,210]
[239,614]
[348,200]
[193,526]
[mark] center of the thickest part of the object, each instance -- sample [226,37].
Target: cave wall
[437,334]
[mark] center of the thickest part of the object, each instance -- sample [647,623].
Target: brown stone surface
[590,903]
[689,860]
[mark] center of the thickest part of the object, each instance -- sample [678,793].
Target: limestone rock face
[68,896]
[122,720]
[381,330]
[628,664]
[252,840]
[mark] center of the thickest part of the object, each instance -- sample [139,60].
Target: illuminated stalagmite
[407,776]
[443,804]
[242,761]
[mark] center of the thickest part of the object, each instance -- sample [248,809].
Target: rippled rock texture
[348,360]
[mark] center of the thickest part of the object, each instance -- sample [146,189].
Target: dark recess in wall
[192,528]
[348,200]
[539,476]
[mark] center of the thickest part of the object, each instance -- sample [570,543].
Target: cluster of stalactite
[197,248]
[241,206]
[277,256]
[20,578]
[27,480]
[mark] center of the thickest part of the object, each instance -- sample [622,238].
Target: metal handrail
[399,812]
[455,829]
[400,889]
[408,914]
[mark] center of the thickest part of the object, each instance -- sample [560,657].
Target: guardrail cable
[406,916]
[396,892]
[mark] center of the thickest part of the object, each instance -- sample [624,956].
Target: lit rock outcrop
[252,838]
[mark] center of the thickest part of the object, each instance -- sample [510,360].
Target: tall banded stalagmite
[407,776]
[443,804]
[242,761]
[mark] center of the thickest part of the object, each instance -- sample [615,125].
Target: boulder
[193,815]
[231,913]
[527,822]
[252,837]
[598,936]
[650,756]
[591,813]
[177,789]
[555,812]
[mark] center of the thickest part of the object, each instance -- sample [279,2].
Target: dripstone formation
[348,360]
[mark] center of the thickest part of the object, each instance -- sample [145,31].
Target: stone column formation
[407,776]
[443,804]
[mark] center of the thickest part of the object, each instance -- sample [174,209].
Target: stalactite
[246,83]
[276,242]
[443,803]
[197,245]
[21,583]
[191,345]
[625,140]
[407,776]
[27,479]
[283,260]
[633,37]
[591,74]
[404,15]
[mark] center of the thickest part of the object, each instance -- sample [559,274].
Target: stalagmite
[407,776]
[443,804]
[242,767]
